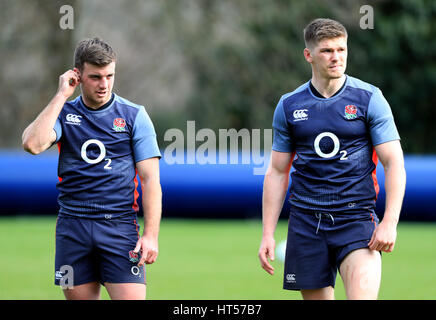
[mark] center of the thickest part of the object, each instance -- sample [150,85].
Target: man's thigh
[115,241]
[361,273]
[75,262]
[126,291]
[307,262]
[327,293]
[350,232]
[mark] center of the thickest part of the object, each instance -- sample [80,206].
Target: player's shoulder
[123,102]
[296,94]
[360,84]
[73,103]
[130,109]
[72,107]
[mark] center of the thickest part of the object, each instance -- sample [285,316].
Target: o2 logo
[100,158]
[336,146]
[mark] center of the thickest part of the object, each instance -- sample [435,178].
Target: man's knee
[326,293]
[361,274]
[126,291]
[87,291]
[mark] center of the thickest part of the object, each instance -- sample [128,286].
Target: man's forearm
[395,183]
[274,193]
[152,207]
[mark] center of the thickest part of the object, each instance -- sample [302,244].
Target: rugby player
[104,142]
[332,130]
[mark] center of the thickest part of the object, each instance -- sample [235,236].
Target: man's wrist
[150,235]
[390,219]
[268,235]
[59,96]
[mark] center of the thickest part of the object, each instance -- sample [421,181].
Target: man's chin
[336,75]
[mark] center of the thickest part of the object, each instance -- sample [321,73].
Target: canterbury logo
[300,115]
[73,118]
[290,277]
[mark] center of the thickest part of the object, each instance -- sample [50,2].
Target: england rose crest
[119,125]
[350,112]
[133,256]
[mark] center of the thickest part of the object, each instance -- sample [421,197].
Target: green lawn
[208,259]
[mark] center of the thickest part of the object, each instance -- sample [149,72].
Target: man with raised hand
[104,141]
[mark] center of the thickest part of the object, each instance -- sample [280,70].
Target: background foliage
[223,63]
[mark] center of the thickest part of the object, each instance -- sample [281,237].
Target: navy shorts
[319,241]
[101,250]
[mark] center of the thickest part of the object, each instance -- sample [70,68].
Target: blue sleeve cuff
[144,137]
[381,121]
[58,129]
[281,140]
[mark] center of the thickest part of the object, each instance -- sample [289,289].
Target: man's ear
[307,55]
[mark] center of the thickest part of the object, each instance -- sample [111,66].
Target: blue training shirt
[333,140]
[98,152]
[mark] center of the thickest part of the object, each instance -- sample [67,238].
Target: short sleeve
[281,139]
[58,129]
[380,119]
[144,137]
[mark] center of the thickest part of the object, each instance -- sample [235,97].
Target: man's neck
[100,107]
[328,87]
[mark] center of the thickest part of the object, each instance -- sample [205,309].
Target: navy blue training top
[333,140]
[98,152]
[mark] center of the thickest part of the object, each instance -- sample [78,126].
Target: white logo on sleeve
[73,119]
[300,115]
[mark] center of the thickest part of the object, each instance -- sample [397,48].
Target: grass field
[208,259]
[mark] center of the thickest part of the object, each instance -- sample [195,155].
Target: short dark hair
[323,28]
[94,51]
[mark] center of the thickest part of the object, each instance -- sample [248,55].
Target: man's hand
[148,248]
[68,83]
[266,251]
[384,236]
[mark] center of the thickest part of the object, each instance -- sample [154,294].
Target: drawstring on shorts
[319,215]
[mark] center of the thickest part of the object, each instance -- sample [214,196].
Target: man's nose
[103,83]
[335,56]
